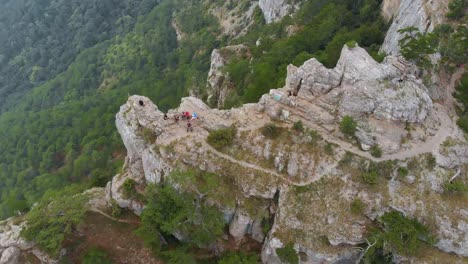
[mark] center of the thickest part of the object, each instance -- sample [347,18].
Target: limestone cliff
[219,84]
[422,14]
[315,175]
[274,10]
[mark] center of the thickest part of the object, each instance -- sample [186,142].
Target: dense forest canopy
[67,66]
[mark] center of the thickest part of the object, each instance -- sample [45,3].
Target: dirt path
[248,118]
[246,164]
[113,218]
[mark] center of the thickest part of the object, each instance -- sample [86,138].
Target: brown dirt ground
[116,239]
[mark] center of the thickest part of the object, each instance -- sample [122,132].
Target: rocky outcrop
[310,172]
[12,245]
[422,14]
[10,255]
[274,10]
[373,93]
[219,84]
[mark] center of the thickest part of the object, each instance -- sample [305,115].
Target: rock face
[422,14]
[219,84]
[307,180]
[12,245]
[274,10]
[373,93]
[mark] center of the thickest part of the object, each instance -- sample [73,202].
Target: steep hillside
[359,157]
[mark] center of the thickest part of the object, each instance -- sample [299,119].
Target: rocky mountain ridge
[261,168]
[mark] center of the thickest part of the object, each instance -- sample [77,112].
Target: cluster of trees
[62,131]
[39,39]
[324,27]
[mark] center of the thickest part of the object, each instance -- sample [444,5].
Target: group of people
[184,116]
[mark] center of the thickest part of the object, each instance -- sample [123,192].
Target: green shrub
[403,171]
[370,177]
[115,210]
[456,9]
[221,138]
[357,206]
[404,235]
[351,44]
[96,256]
[375,151]
[348,125]
[128,188]
[54,218]
[431,161]
[298,126]
[168,211]
[463,123]
[314,137]
[455,187]
[288,254]
[270,130]
[239,258]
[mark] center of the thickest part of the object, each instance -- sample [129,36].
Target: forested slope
[66,67]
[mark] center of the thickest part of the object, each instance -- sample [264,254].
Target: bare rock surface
[422,14]
[315,175]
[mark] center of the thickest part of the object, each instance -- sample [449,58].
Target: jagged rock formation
[360,87]
[274,10]
[234,21]
[314,189]
[422,14]
[219,84]
[12,245]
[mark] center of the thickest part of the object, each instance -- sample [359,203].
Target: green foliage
[238,258]
[222,138]
[128,188]
[298,126]
[315,137]
[455,187]
[321,36]
[348,126]
[431,161]
[270,130]
[351,44]
[63,130]
[375,151]
[288,254]
[55,217]
[169,211]
[404,235]
[370,177]
[357,206]
[403,171]
[462,95]
[96,256]
[180,255]
[456,9]
[417,46]
[115,210]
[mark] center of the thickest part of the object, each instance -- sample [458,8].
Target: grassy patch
[357,206]
[375,151]
[348,126]
[288,254]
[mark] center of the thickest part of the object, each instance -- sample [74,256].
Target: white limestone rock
[274,10]
[10,255]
